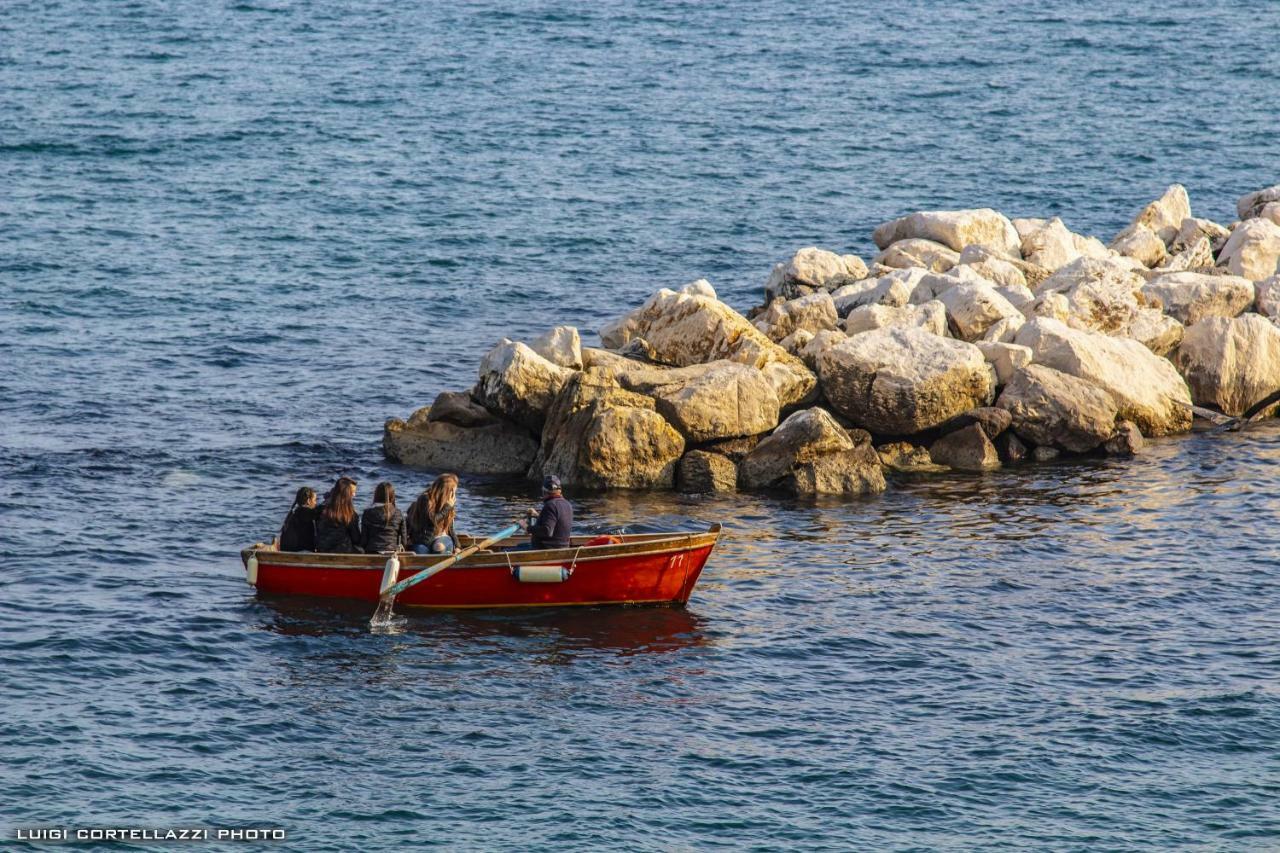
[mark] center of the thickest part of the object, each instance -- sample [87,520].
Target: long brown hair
[339,505]
[385,493]
[433,512]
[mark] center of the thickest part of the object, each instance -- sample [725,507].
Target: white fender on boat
[251,569]
[541,574]
[390,574]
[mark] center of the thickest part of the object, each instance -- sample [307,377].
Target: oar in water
[387,597]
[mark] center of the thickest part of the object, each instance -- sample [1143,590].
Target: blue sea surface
[237,236]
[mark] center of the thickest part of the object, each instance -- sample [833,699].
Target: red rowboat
[642,568]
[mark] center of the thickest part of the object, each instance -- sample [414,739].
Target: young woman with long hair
[298,533]
[382,524]
[431,517]
[337,525]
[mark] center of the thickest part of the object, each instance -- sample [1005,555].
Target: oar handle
[400,587]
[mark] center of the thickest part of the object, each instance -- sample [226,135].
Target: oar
[387,600]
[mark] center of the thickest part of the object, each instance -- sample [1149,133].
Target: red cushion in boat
[602,540]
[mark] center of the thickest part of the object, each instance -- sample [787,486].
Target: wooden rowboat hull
[650,569]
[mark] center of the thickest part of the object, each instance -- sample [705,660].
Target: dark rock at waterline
[701,471]
[1011,449]
[993,421]
[967,449]
[458,408]
[1127,440]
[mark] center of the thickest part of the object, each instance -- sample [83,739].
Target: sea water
[237,236]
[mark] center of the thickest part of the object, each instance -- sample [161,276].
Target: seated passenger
[554,525]
[337,525]
[299,530]
[431,518]
[382,525]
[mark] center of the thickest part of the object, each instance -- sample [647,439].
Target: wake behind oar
[391,587]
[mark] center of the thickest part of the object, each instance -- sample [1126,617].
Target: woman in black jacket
[337,525]
[299,530]
[382,523]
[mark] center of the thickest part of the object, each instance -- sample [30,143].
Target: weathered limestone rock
[899,381]
[1004,331]
[455,407]
[810,453]
[1251,204]
[1270,212]
[561,346]
[992,419]
[736,449]
[812,269]
[1101,295]
[918,253]
[974,308]
[1048,244]
[795,342]
[1126,441]
[820,343]
[894,288]
[1164,216]
[1155,330]
[1051,408]
[813,313]
[1267,302]
[1053,306]
[931,316]
[954,228]
[700,287]
[519,384]
[993,267]
[700,471]
[1142,244]
[908,458]
[1193,230]
[1007,359]
[498,447]
[1019,296]
[708,402]
[685,330]
[966,449]
[1146,388]
[1252,250]
[600,436]
[1090,247]
[1230,364]
[930,286]
[1199,255]
[1189,297]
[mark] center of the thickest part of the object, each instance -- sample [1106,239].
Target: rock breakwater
[969,342]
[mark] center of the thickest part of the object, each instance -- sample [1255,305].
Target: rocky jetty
[971,341]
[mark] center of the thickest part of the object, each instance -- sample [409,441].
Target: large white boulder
[810,453]
[1048,244]
[915,252]
[954,228]
[1147,389]
[994,268]
[1053,409]
[1267,302]
[899,381]
[931,316]
[598,436]
[561,345]
[929,286]
[519,384]
[682,329]
[1199,255]
[1165,215]
[1252,250]
[1155,330]
[974,308]
[894,288]
[1007,359]
[707,402]
[812,269]
[1251,204]
[1231,363]
[813,313]
[1190,297]
[1193,229]
[1142,244]
[1100,295]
